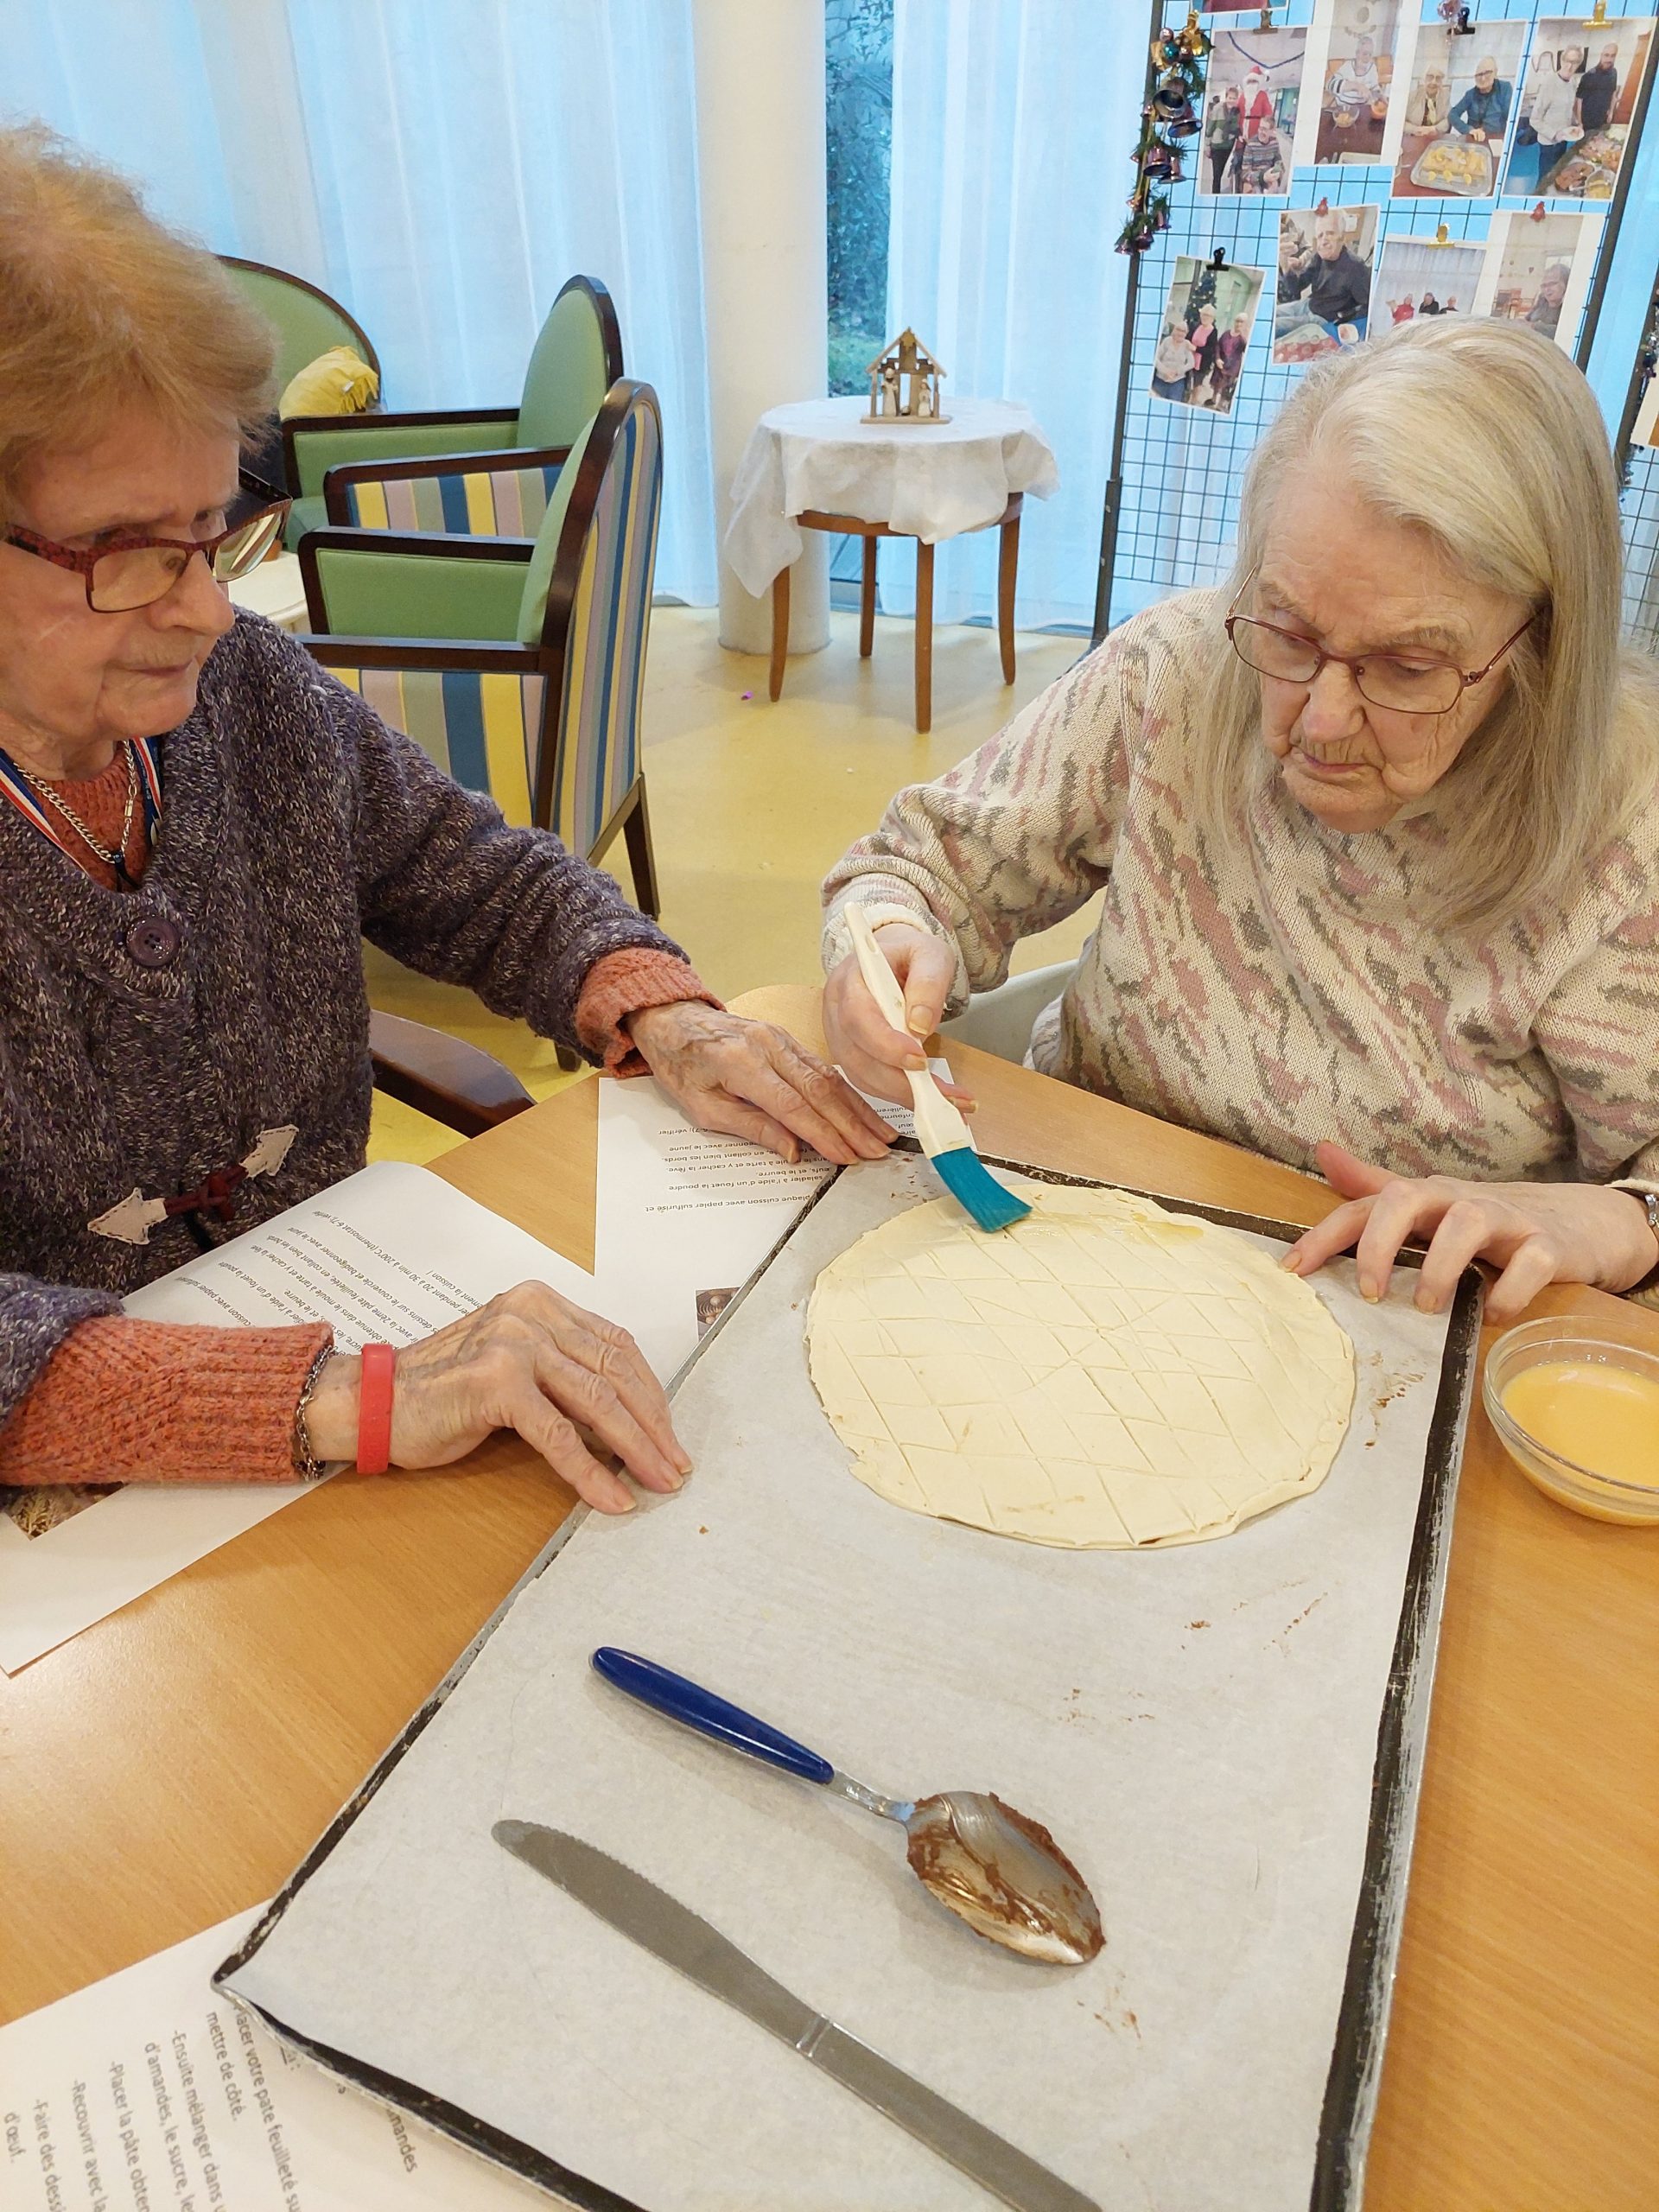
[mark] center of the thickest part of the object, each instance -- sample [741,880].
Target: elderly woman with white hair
[1375,830]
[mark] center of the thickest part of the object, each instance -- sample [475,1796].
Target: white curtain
[439,166]
[1012,125]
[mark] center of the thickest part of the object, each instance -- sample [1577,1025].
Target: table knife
[671,1932]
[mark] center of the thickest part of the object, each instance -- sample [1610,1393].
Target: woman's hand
[529,1361]
[751,1079]
[1533,1233]
[863,1040]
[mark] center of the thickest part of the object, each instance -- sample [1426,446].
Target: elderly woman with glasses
[1375,832]
[198,826]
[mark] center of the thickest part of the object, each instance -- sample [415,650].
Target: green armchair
[308,321]
[518,664]
[482,471]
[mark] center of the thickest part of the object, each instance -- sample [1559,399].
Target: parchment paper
[1198,1726]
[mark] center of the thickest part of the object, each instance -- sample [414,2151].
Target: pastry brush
[940,1129]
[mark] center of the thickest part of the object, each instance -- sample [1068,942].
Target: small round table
[814,465]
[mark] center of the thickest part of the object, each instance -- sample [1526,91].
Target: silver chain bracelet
[306,1465]
[1650,1200]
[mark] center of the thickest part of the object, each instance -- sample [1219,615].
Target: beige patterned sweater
[1285,988]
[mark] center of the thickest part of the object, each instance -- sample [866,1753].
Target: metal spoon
[1003,1874]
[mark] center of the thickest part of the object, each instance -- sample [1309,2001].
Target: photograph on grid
[1323,301]
[1578,95]
[1348,80]
[1454,110]
[1538,269]
[1416,277]
[1644,431]
[1204,334]
[1251,87]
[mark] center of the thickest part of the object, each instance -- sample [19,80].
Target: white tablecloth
[929,479]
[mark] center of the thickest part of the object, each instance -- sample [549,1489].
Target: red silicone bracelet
[374,1409]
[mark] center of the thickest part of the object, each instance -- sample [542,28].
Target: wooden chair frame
[338,480]
[457,1084]
[854,527]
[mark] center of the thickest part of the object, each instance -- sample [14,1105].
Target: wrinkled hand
[1533,1233]
[863,1040]
[529,1361]
[751,1079]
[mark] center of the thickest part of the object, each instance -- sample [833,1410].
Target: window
[858,98]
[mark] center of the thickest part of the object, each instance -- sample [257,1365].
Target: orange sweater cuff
[627,982]
[122,1400]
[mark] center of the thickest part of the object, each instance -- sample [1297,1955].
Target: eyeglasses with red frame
[1387,680]
[132,571]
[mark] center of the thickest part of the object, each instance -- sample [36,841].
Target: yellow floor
[750,804]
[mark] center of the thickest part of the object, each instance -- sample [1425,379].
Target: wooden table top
[172,1766]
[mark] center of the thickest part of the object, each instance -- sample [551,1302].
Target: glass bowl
[1611,1341]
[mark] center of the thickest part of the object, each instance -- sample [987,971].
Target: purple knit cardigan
[147,1040]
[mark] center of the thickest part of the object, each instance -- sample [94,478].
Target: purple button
[154,943]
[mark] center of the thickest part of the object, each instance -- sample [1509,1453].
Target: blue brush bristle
[972,1185]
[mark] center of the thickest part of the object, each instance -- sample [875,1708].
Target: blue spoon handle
[710,1715]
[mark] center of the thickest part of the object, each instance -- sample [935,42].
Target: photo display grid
[1639,500]
[1639,514]
[1188,434]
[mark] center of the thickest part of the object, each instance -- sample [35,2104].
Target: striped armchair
[478,471]
[518,664]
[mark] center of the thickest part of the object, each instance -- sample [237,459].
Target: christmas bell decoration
[1169,116]
[1163,162]
[1174,109]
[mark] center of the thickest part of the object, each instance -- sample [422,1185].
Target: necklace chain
[117,859]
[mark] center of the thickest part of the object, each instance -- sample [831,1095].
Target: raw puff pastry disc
[1103,1374]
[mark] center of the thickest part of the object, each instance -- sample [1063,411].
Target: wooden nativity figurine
[904,384]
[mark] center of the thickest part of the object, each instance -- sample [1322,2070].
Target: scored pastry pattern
[1103,1374]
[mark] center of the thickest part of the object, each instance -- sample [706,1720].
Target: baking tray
[1481,191]
[1336,2167]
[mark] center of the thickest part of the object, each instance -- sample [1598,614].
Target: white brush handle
[938,1125]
